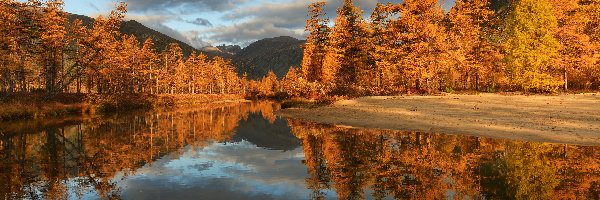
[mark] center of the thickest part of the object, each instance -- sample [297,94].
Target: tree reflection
[55,162]
[410,165]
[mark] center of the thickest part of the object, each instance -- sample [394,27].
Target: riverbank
[570,119]
[39,106]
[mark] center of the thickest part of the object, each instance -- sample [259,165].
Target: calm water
[245,152]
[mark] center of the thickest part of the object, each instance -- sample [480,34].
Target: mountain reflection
[244,151]
[380,164]
[50,161]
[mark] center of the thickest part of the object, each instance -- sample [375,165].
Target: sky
[203,23]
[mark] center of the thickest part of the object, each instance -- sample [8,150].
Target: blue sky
[214,22]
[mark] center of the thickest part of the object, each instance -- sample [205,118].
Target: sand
[565,119]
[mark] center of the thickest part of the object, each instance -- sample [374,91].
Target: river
[245,151]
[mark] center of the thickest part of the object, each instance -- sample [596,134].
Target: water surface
[244,151]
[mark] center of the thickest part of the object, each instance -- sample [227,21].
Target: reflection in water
[245,152]
[99,157]
[378,164]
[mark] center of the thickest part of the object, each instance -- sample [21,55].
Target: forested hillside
[270,54]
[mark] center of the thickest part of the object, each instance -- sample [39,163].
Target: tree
[149,65]
[291,83]
[590,12]
[575,51]
[53,29]
[8,21]
[381,40]
[470,24]
[347,57]
[172,57]
[202,73]
[127,69]
[97,48]
[531,46]
[316,43]
[421,41]
[268,85]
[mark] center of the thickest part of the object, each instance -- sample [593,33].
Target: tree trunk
[78,85]
[566,79]
[418,84]
[22,79]
[477,80]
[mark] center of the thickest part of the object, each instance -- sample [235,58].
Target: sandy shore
[569,119]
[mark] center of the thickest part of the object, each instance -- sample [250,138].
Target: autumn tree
[291,83]
[575,51]
[126,70]
[149,64]
[347,57]
[420,41]
[98,49]
[171,57]
[201,73]
[382,43]
[589,11]
[531,46]
[53,29]
[470,24]
[268,85]
[8,21]
[316,44]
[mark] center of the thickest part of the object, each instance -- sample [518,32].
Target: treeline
[531,45]
[41,50]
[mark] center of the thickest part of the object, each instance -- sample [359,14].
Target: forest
[43,51]
[528,45]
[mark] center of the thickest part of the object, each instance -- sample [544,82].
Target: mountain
[277,54]
[233,49]
[222,51]
[141,32]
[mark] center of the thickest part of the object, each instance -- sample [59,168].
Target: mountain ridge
[276,54]
[142,32]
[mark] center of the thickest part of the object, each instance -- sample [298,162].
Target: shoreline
[35,106]
[562,119]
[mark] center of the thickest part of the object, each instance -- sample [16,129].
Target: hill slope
[277,54]
[142,32]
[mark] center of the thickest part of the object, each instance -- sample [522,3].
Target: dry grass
[37,105]
[32,106]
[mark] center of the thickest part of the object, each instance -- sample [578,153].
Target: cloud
[199,21]
[276,19]
[157,23]
[184,5]
[193,39]
[242,21]
[250,31]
